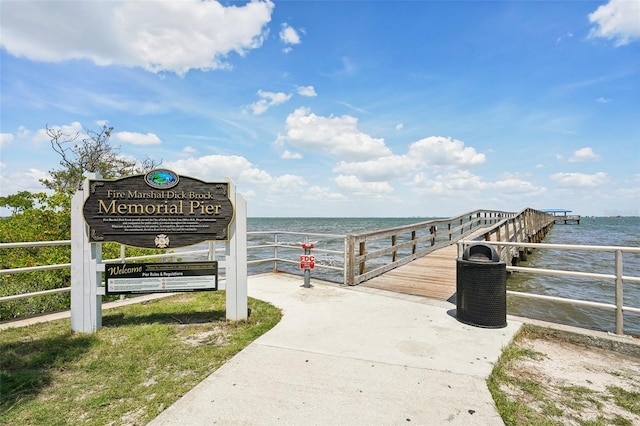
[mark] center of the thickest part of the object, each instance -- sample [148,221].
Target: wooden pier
[400,246]
[433,276]
[562,216]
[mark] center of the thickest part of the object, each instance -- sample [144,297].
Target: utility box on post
[481,287]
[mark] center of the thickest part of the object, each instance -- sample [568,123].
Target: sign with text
[307,261]
[158,210]
[128,278]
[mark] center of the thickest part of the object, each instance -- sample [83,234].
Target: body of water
[602,231]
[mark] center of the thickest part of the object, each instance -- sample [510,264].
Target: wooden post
[394,256]
[351,260]
[413,238]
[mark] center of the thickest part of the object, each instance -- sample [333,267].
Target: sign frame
[161,277]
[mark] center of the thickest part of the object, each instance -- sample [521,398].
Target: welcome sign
[131,278]
[158,210]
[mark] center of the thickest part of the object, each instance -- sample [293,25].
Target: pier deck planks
[433,275]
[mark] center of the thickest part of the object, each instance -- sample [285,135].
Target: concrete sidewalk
[351,356]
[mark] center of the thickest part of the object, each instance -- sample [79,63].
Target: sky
[338,108]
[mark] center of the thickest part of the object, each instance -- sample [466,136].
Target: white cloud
[463,183]
[288,35]
[23,180]
[399,126]
[307,91]
[584,154]
[5,139]
[149,34]
[268,100]
[618,20]
[444,152]
[189,150]
[434,151]
[370,189]
[603,100]
[23,132]
[580,179]
[514,185]
[211,167]
[336,136]
[136,138]
[288,155]
[323,194]
[215,168]
[384,168]
[287,184]
[255,176]
[452,184]
[368,158]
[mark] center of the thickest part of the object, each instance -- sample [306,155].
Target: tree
[42,217]
[20,202]
[90,154]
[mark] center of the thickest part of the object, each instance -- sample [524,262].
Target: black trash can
[481,287]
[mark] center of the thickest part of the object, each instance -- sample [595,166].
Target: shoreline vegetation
[547,377]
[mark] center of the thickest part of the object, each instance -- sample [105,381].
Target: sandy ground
[576,383]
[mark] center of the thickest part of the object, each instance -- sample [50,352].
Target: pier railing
[527,226]
[373,253]
[617,276]
[352,259]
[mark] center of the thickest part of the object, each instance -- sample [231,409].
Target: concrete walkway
[351,356]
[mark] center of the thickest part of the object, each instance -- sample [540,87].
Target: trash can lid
[480,252]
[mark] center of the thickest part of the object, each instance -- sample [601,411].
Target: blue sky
[339,108]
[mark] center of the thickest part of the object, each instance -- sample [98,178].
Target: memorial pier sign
[158,210]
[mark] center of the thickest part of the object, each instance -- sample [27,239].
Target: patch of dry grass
[543,379]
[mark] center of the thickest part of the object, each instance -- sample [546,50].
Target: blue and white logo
[161,179]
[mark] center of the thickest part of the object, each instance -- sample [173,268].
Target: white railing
[285,247]
[618,277]
[271,252]
[210,251]
[291,244]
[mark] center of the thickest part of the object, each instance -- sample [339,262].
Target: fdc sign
[307,261]
[157,210]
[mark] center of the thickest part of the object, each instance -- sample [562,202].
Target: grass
[523,398]
[628,400]
[143,359]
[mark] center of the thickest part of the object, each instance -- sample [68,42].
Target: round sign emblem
[161,179]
